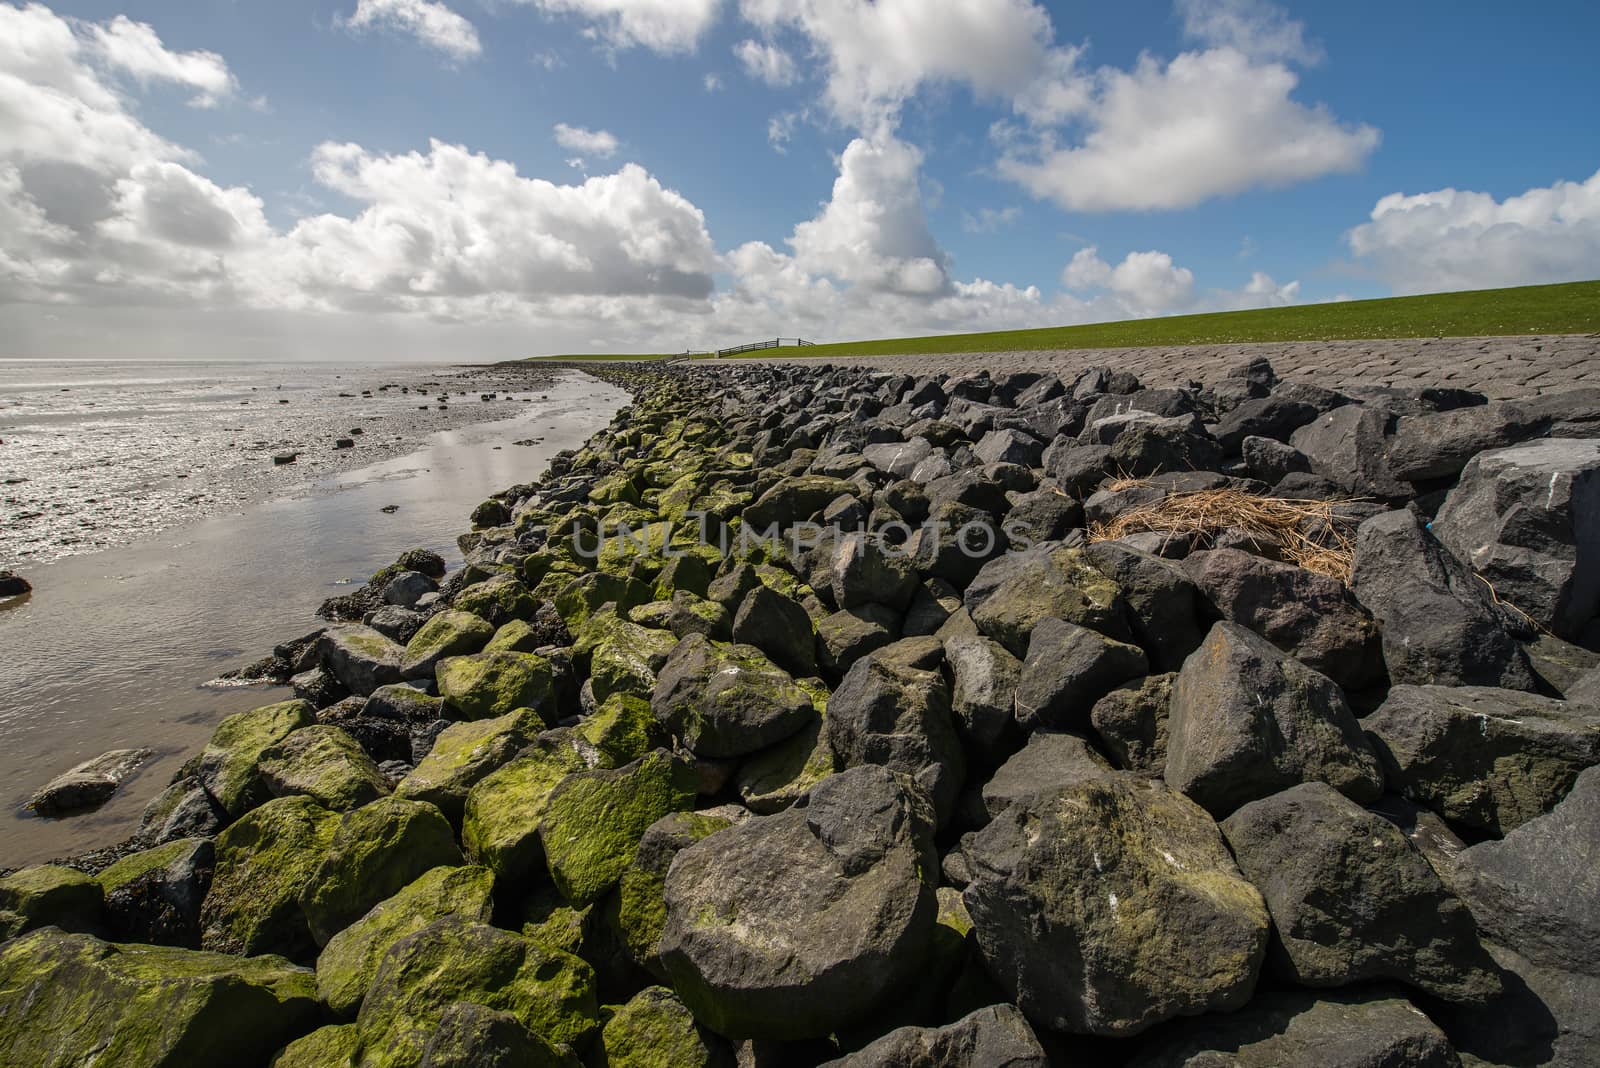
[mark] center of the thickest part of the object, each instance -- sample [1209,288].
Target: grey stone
[1068,669]
[993,1037]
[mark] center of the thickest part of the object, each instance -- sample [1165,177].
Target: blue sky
[411,178]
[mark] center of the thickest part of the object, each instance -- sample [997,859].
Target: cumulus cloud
[135,49]
[667,26]
[431,23]
[879,52]
[1170,135]
[594,142]
[990,220]
[1149,282]
[1458,239]
[767,63]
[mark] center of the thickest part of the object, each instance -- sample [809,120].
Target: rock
[1309,616]
[449,633]
[1271,461]
[776,778]
[890,712]
[1536,891]
[13,584]
[318,688]
[472,1036]
[984,696]
[626,661]
[621,730]
[1545,1017]
[490,685]
[1131,722]
[655,1029]
[454,961]
[407,587]
[88,785]
[1050,761]
[866,571]
[325,764]
[360,658]
[1068,669]
[326,1047]
[182,810]
[74,1000]
[1248,720]
[898,458]
[846,636]
[593,821]
[349,961]
[1352,901]
[504,811]
[1149,446]
[491,513]
[376,851]
[689,614]
[1009,447]
[1562,665]
[1333,1030]
[1349,446]
[641,913]
[727,700]
[263,862]
[464,754]
[1059,583]
[50,895]
[794,925]
[1437,445]
[1111,905]
[498,599]
[794,499]
[1527,519]
[1271,417]
[155,895]
[1480,757]
[1163,607]
[228,768]
[1043,515]
[399,625]
[779,627]
[993,1037]
[1440,624]
[404,703]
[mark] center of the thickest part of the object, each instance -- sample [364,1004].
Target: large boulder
[1484,758]
[72,1000]
[465,753]
[49,895]
[263,862]
[654,1029]
[1538,891]
[593,820]
[1059,583]
[350,959]
[504,810]
[376,851]
[1131,722]
[487,685]
[793,499]
[1067,670]
[893,709]
[326,764]
[1311,617]
[779,627]
[983,698]
[641,913]
[1349,446]
[994,1037]
[1247,720]
[1440,623]
[867,571]
[361,658]
[727,700]
[87,785]
[228,769]
[776,778]
[155,895]
[448,633]
[1163,607]
[1050,761]
[1352,901]
[1527,519]
[794,925]
[1332,1030]
[1111,905]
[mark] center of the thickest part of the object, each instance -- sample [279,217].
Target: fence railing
[772,344]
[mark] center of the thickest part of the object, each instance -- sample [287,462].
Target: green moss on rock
[464,754]
[50,895]
[228,765]
[486,685]
[335,1046]
[501,822]
[263,861]
[450,633]
[324,763]
[641,910]
[622,730]
[656,1030]
[498,600]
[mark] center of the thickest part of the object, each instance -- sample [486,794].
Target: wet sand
[113,648]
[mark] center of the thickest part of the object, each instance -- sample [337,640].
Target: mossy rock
[656,1030]
[627,546]
[641,909]
[72,1000]
[581,597]
[503,811]
[728,700]
[776,778]
[403,701]
[498,600]
[51,895]
[656,615]
[263,862]
[622,730]
[1064,585]
[614,489]
[551,921]
[326,764]
[486,685]
[470,1036]
[334,1046]
[450,633]
[351,958]
[377,850]
[689,571]
[517,636]
[155,895]
[228,765]
[454,960]
[627,663]
[464,754]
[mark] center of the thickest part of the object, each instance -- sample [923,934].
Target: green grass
[1570,308]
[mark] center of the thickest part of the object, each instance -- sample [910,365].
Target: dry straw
[1312,534]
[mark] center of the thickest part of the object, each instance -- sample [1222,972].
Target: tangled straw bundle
[1312,534]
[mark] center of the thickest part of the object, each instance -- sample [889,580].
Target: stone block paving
[1501,367]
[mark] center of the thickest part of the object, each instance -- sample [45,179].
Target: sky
[485,179]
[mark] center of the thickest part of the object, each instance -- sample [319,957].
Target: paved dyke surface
[1501,367]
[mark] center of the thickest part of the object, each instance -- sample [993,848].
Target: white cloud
[1149,282]
[879,52]
[1253,27]
[767,63]
[712,82]
[1457,239]
[134,49]
[593,142]
[666,26]
[990,220]
[781,127]
[431,23]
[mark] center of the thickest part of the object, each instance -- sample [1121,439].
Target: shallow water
[113,647]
